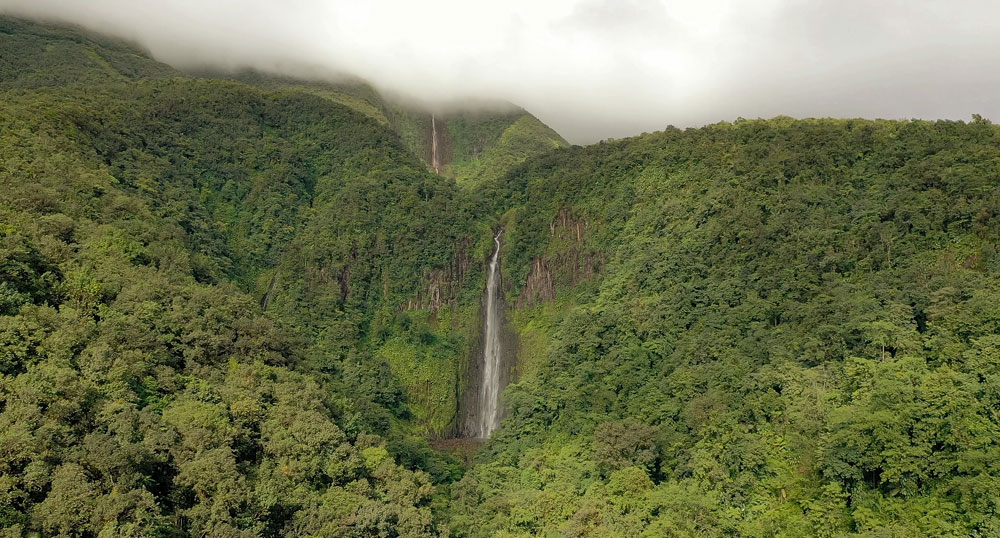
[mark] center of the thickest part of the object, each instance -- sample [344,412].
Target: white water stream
[489,395]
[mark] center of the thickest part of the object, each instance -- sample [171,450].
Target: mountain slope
[254,193]
[143,392]
[242,308]
[478,142]
[475,142]
[768,328]
[145,389]
[38,55]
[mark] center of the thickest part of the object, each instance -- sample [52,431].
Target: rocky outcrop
[442,285]
[569,265]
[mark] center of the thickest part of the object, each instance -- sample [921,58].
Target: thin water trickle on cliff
[435,161]
[489,397]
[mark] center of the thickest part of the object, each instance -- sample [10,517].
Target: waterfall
[435,162]
[491,366]
[489,392]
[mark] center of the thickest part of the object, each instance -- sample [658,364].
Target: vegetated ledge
[569,266]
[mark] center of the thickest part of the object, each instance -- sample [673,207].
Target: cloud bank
[594,69]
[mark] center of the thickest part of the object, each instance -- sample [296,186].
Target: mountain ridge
[485,137]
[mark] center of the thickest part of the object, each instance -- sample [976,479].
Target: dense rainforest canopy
[246,306]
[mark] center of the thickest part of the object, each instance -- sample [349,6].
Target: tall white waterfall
[489,392]
[435,161]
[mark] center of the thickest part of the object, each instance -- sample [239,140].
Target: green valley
[246,305]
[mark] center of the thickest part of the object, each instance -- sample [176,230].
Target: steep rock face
[439,298]
[567,264]
[434,377]
[442,285]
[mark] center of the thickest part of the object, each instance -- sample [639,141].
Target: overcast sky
[594,69]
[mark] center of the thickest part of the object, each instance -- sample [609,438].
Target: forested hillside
[475,142]
[194,285]
[38,55]
[793,330]
[244,307]
[143,390]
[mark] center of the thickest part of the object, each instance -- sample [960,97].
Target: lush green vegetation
[36,55]
[241,308]
[144,387]
[485,145]
[476,143]
[795,333]
[353,94]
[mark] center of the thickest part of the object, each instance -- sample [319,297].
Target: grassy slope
[353,94]
[486,147]
[478,144]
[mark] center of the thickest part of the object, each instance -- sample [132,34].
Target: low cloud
[594,69]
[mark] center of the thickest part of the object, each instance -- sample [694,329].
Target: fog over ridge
[594,69]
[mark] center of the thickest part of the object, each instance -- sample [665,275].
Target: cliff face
[566,264]
[443,285]
[567,261]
